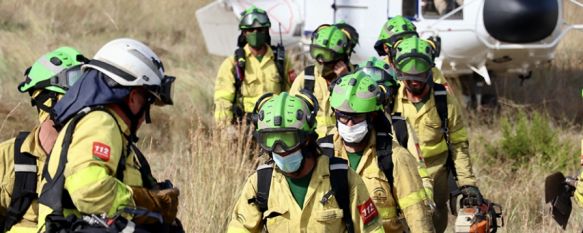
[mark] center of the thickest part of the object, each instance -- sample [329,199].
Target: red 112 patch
[101,151]
[368,211]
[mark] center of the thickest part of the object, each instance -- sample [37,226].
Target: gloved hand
[471,196]
[163,201]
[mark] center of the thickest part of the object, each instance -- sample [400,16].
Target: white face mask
[353,134]
[290,163]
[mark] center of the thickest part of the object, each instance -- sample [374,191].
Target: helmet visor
[254,20]
[381,76]
[323,55]
[279,140]
[66,78]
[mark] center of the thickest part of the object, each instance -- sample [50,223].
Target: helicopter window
[433,9]
[409,9]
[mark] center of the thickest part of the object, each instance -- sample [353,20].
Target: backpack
[338,181]
[25,181]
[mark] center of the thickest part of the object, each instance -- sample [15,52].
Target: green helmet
[254,17]
[356,93]
[55,71]
[413,56]
[329,43]
[393,30]
[380,71]
[351,32]
[284,121]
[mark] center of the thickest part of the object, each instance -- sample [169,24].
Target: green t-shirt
[420,104]
[354,159]
[299,188]
[259,58]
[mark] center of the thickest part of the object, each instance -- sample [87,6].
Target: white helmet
[131,63]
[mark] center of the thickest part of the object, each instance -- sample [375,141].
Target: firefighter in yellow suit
[300,195]
[401,199]
[331,48]
[396,29]
[258,70]
[94,156]
[46,82]
[416,102]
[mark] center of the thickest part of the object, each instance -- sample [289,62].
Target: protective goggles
[64,79]
[324,55]
[423,77]
[280,140]
[344,118]
[164,92]
[249,20]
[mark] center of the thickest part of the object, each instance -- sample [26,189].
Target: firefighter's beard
[415,87]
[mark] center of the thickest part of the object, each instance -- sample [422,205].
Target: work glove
[163,201]
[471,196]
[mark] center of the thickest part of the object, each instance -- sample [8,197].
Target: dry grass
[208,167]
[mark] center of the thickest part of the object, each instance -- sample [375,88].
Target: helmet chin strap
[40,99]
[135,118]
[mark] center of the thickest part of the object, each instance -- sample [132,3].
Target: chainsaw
[484,217]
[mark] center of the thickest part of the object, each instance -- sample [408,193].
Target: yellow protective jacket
[314,217]
[260,77]
[427,124]
[32,146]
[579,191]
[415,151]
[408,190]
[325,117]
[98,143]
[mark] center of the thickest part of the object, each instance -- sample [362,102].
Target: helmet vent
[352,82]
[277,121]
[56,61]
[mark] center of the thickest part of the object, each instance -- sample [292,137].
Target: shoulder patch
[368,212]
[101,151]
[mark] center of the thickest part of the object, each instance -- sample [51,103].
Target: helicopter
[479,38]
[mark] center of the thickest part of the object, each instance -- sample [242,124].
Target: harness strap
[264,173]
[309,79]
[24,190]
[440,94]
[339,183]
[326,144]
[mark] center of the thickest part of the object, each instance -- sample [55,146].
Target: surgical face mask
[256,39]
[290,163]
[353,134]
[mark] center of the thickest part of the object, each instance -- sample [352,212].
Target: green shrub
[526,137]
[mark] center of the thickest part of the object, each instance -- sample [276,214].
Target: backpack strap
[239,74]
[400,127]
[264,173]
[440,94]
[149,181]
[326,144]
[309,79]
[279,55]
[384,148]
[24,190]
[339,183]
